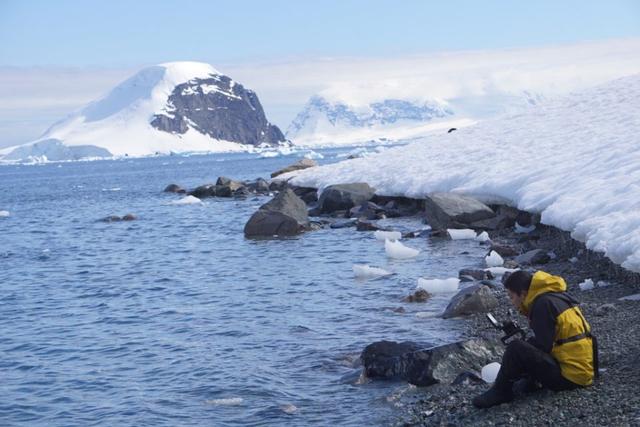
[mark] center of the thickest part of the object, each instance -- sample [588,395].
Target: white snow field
[119,124]
[574,160]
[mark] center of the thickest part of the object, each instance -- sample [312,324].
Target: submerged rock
[299,165]
[426,366]
[419,295]
[174,188]
[129,217]
[284,215]
[344,196]
[474,299]
[450,210]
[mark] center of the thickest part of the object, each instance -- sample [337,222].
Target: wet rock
[536,256]
[261,185]
[344,224]
[299,165]
[366,210]
[228,182]
[505,218]
[202,191]
[466,279]
[417,233]
[111,218]
[426,366]
[467,377]
[364,225]
[315,211]
[344,196]
[278,185]
[419,295]
[475,273]
[284,215]
[605,309]
[307,194]
[129,217]
[399,310]
[450,210]
[174,188]
[525,218]
[471,300]
[505,250]
[510,264]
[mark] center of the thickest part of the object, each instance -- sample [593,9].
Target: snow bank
[397,250]
[438,286]
[573,160]
[364,271]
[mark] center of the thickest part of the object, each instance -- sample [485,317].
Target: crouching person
[561,356]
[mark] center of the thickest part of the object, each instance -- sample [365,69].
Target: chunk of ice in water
[490,372]
[494,259]
[289,408]
[4,214]
[397,250]
[387,235]
[438,286]
[189,200]
[364,271]
[586,285]
[483,237]
[461,234]
[230,401]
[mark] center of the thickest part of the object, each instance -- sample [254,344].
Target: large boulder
[232,185]
[450,210]
[344,196]
[536,256]
[284,215]
[174,188]
[299,165]
[474,299]
[505,218]
[426,366]
[202,191]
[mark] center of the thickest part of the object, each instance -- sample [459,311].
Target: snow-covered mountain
[325,122]
[172,107]
[575,160]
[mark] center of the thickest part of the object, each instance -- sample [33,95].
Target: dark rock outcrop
[450,210]
[299,165]
[474,299]
[344,196]
[419,295]
[219,107]
[284,215]
[533,257]
[504,250]
[475,273]
[426,366]
[174,188]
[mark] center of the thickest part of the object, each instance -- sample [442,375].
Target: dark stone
[284,215]
[112,218]
[228,182]
[419,295]
[344,196]
[364,225]
[315,211]
[366,210]
[278,185]
[261,186]
[467,377]
[605,309]
[450,210]
[174,188]
[307,194]
[505,218]
[477,274]
[229,113]
[536,256]
[299,165]
[399,310]
[343,224]
[525,218]
[207,190]
[129,217]
[466,279]
[426,366]
[414,234]
[471,300]
[505,250]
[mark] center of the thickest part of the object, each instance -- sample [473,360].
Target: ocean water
[176,319]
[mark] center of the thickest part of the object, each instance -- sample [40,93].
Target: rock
[344,196]
[399,310]
[467,377]
[423,366]
[449,210]
[261,185]
[466,279]
[525,218]
[471,300]
[605,309]
[505,218]
[343,224]
[174,188]
[477,274]
[364,225]
[278,185]
[299,165]
[307,194]
[202,191]
[231,184]
[366,210]
[111,218]
[536,256]
[418,296]
[417,233]
[284,215]
[511,264]
[505,250]
[129,217]
[315,211]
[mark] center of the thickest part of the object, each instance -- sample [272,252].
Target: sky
[57,56]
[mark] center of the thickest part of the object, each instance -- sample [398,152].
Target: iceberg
[397,250]
[438,286]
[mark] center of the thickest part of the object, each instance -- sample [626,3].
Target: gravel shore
[614,399]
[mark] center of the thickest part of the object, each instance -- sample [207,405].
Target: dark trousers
[521,360]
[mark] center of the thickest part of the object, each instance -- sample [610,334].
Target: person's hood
[541,283]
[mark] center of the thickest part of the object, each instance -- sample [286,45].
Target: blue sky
[129,33]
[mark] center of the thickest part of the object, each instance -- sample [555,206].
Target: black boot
[492,397]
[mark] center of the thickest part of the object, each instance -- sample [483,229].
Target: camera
[509,327]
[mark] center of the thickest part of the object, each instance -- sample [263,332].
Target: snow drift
[574,160]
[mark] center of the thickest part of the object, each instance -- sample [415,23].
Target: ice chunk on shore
[230,401]
[438,286]
[189,200]
[364,271]
[500,271]
[4,214]
[387,235]
[483,237]
[490,372]
[634,297]
[586,285]
[461,234]
[494,259]
[397,250]
[524,230]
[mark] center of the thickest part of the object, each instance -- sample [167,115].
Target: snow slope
[575,160]
[119,123]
